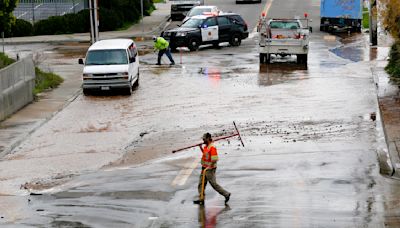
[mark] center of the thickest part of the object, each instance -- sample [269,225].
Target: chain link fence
[36,10]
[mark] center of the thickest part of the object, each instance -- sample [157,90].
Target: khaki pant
[211,177]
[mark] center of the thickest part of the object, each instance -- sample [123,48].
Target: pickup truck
[341,15]
[282,37]
[179,8]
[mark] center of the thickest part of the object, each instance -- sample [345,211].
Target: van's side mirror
[132,60]
[80,61]
[310,28]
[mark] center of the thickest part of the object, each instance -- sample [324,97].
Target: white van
[111,64]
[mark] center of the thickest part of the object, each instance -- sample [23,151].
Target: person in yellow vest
[162,46]
[209,166]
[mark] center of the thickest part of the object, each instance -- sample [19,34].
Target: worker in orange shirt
[209,166]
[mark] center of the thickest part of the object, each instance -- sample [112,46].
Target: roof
[201,16]
[111,44]
[207,16]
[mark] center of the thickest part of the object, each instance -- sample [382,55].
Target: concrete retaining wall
[16,86]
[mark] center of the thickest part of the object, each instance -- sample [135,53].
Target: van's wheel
[86,92]
[236,40]
[262,56]
[128,91]
[194,44]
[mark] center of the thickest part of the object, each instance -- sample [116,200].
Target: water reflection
[209,219]
[277,73]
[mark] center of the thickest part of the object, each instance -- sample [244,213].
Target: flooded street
[310,157]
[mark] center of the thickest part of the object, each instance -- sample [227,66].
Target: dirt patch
[39,185]
[100,128]
[390,108]
[16,157]
[72,50]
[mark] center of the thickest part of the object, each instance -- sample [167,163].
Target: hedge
[5,60]
[113,15]
[393,68]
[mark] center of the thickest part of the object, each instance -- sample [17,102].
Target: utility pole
[91,22]
[33,11]
[73,6]
[141,8]
[373,22]
[94,22]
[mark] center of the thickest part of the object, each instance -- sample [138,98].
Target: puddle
[354,49]
[355,54]
[277,73]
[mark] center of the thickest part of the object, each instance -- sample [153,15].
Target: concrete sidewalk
[20,125]
[152,25]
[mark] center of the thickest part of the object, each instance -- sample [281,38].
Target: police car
[208,29]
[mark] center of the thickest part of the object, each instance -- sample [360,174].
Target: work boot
[158,64]
[200,202]
[173,63]
[227,198]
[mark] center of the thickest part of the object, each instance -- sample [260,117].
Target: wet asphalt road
[311,148]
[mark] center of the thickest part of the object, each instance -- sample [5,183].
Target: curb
[392,149]
[40,123]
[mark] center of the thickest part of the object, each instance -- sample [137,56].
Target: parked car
[200,10]
[282,37]
[111,64]
[240,1]
[179,8]
[208,29]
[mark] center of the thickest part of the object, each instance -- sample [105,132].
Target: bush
[21,28]
[68,23]
[110,20]
[5,60]
[113,15]
[393,68]
[45,81]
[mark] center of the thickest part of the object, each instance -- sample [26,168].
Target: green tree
[7,18]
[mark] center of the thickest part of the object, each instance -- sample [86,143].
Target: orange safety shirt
[210,156]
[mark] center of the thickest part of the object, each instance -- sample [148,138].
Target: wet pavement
[311,155]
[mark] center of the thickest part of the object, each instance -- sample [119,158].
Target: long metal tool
[217,139]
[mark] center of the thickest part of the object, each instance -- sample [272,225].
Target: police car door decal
[209,33]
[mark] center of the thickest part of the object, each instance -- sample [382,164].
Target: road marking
[184,174]
[266,10]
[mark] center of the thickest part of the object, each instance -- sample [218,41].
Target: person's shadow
[209,220]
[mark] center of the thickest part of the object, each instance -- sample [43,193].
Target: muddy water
[308,128]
